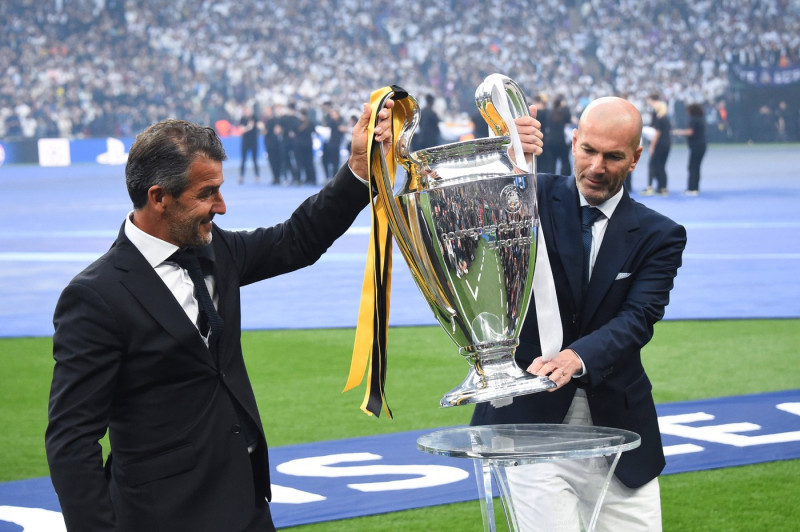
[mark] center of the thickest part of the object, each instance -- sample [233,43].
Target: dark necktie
[208,316]
[588,216]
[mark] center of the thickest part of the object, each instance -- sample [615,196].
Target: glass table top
[528,443]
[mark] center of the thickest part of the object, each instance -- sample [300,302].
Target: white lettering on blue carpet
[340,479]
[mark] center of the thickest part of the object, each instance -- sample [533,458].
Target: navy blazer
[129,360]
[607,325]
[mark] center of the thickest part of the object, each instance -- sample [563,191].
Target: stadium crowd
[76,68]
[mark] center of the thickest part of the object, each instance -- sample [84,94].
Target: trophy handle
[411,116]
[500,101]
[407,109]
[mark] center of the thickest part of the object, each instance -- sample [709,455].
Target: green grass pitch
[298,376]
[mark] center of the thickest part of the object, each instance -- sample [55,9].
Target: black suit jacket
[607,325]
[128,359]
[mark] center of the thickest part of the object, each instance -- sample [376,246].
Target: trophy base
[499,380]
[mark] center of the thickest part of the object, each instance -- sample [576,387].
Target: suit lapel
[563,235]
[146,286]
[620,239]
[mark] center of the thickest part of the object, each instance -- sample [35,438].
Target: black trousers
[657,167]
[249,146]
[696,154]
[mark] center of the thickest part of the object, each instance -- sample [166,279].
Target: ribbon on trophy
[548,316]
[369,350]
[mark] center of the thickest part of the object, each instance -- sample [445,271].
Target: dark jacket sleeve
[87,356]
[302,239]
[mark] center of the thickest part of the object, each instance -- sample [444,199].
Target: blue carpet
[740,262]
[340,479]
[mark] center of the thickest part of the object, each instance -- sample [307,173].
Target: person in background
[609,303]
[290,123]
[555,140]
[147,343]
[333,146]
[782,122]
[659,149]
[274,145]
[545,162]
[696,139]
[250,131]
[429,134]
[304,149]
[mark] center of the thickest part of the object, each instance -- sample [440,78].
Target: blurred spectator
[545,162]
[659,149]
[696,139]
[782,122]
[251,128]
[13,125]
[555,139]
[274,143]
[764,130]
[721,118]
[118,66]
[290,123]
[304,149]
[428,133]
[333,145]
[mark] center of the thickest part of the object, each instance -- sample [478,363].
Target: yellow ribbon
[369,350]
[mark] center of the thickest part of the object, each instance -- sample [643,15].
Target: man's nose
[598,164]
[219,205]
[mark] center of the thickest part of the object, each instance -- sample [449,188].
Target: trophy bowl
[465,218]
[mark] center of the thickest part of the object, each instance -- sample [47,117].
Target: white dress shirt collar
[607,207]
[154,249]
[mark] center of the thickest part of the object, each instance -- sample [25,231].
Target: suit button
[222,374]
[236,429]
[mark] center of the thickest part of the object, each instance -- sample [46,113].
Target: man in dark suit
[134,355]
[609,302]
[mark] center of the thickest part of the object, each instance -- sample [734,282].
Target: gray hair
[162,153]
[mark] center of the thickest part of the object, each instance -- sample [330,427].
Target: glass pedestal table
[497,447]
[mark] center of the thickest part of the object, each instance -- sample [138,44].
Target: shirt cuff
[357,176]
[583,367]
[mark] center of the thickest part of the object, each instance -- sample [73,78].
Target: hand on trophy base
[493,378]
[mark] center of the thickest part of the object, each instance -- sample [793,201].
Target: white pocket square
[622,275]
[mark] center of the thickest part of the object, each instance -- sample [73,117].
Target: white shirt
[601,223]
[598,232]
[156,252]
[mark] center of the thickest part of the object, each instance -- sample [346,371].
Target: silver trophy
[465,218]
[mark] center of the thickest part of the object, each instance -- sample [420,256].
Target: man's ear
[157,197]
[636,155]
[574,140]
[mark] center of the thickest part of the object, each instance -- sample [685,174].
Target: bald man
[609,298]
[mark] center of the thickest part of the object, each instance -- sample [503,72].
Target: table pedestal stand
[494,448]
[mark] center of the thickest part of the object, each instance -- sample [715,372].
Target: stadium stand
[78,68]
